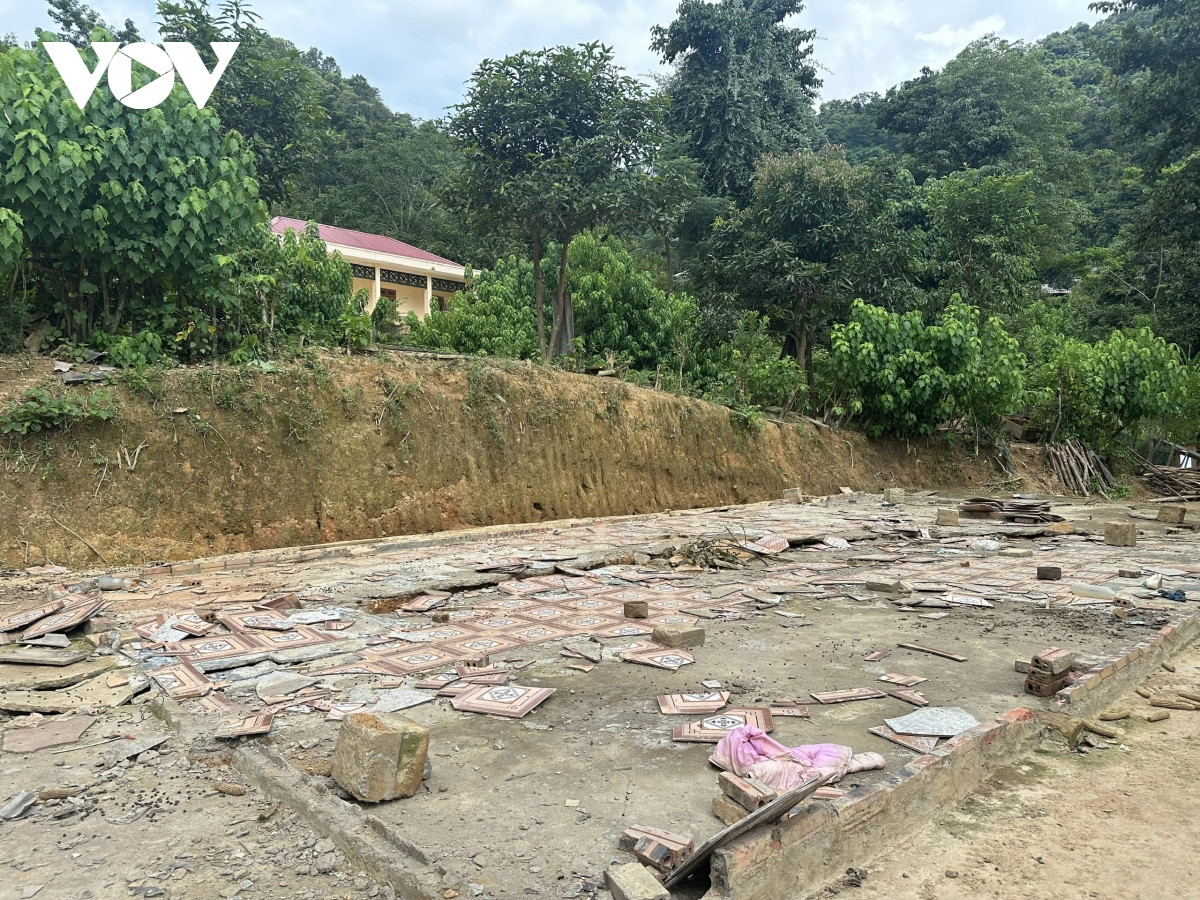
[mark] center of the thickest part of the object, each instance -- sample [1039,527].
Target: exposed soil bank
[342,449]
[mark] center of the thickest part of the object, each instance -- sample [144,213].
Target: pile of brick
[1049,672]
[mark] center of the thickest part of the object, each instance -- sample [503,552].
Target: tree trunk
[539,292]
[564,310]
[670,260]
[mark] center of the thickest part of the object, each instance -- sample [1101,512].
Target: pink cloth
[748,751]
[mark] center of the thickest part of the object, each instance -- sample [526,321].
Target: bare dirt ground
[1121,822]
[534,806]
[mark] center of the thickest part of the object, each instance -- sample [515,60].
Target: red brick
[1017,716]
[860,805]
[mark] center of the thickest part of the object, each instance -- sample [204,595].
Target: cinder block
[1172,515]
[1120,534]
[634,881]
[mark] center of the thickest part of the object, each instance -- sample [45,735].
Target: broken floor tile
[692,704]
[910,742]
[936,721]
[713,728]
[849,696]
[46,734]
[511,701]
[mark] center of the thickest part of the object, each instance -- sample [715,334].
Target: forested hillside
[1015,233]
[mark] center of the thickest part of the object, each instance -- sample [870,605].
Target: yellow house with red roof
[385,267]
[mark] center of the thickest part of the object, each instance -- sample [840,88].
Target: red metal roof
[376,243]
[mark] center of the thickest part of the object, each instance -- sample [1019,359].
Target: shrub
[904,378]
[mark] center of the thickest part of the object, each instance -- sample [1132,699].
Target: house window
[388,293]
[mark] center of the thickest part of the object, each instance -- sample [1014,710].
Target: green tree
[123,214]
[267,94]
[555,141]
[986,238]
[817,233]
[904,378]
[495,317]
[743,85]
[995,105]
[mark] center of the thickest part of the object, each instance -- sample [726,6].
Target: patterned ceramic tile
[711,729]
[216,647]
[540,633]
[544,613]
[662,658]
[65,619]
[622,629]
[692,704]
[480,646]
[28,616]
[255,621]
[251,725]
[512,701]
[438,681]
[182,681]
[408,660]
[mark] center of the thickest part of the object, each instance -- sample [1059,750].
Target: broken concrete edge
[367,546]
[366,840]
[801,853]
[1109,678]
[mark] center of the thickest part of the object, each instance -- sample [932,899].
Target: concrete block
[1049,573]
[1120,534]
[947,518]
[886,587]
[634,882]
[676,636]
[380,756]
[1172,515]
[637,609]
[1021,666]
[796,495]
[894,495]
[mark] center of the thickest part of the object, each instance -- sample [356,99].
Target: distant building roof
[375,243]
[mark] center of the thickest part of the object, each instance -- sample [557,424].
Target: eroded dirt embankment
[336,449]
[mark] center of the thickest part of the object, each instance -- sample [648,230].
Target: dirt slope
[331,449]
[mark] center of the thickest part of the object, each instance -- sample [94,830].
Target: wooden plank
[770,813]
[930,650]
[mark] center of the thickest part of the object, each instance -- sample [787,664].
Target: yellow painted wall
[409,299]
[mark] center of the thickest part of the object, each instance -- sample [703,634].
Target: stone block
[796,495]
[1172,515]
[894,495]
[676,636]
[727,811]
[634,882]
[947,517]
[1120,534]
[380,756]
[1049,573]
[637,609]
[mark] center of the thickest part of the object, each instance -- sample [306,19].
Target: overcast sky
[420,52]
